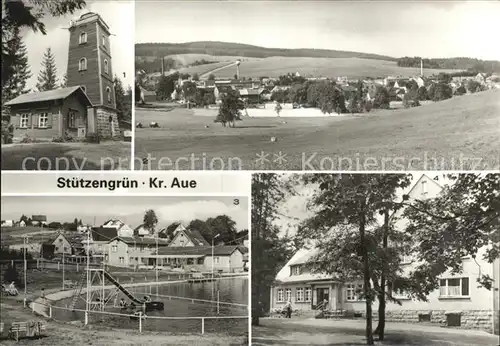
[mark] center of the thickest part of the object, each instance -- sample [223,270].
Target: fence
[140,318]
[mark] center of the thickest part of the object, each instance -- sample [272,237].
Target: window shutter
[49,120]
[34,118]
[30,119]
[465,286]
[16,121]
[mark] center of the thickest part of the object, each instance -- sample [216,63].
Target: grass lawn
[462,133]
[107,155]
[352,333]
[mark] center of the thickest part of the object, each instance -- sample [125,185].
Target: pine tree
[14,82]
[64,81]
[47,78]
[123,106]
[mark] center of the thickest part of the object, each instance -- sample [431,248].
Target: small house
[53,113]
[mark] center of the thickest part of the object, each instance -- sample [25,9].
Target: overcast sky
[414,28]
[128,209]
[119,15]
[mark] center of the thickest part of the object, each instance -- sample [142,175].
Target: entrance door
[321,295]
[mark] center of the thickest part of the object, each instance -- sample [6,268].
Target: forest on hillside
[470,64]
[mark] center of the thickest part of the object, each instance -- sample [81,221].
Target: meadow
[462,133]
[318,67]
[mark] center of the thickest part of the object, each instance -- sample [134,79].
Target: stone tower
[89,66]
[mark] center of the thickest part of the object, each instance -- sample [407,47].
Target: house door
[321,295]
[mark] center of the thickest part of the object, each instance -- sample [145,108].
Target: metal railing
[140,317]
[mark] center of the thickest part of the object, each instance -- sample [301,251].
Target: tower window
[106,66]
[108,92]
[83,38]
[104,41]
[82,64]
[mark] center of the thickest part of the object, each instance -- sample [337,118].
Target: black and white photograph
[67,76]
[124,270]
[317,85]
[375,259]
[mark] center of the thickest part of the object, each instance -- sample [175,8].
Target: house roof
[193,235]
[141,241]
[224,88]
[250,92]
[56,94]
[104,233]
[220,250]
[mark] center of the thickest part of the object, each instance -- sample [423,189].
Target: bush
[7,132]
[93,138]
[63,139]
[28,139]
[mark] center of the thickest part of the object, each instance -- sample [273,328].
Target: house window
[296,270]
[299,294]
[104,41]
[307,297]
[200,260]
[458,287]
[72,119]
[288,294]
[280,295]
[83,38]
[424,188]
[43,120]
[114,248]
[407,259]
[131,259]
[216,260]
[57,248]
[122,260]
[108,92]
[106,66]
[82,64]
[24,121]
[352,291]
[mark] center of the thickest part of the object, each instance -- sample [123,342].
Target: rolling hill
[244,50]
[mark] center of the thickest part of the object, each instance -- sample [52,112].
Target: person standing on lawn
[288,309]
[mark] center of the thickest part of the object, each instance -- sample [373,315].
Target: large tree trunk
[381,296]
[366,280]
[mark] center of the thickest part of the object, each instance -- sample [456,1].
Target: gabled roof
[220,250]
[224,88]
[56,94]
[104,233]
[141,241]
[249,92]
[193,235]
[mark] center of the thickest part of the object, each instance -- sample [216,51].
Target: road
[352,332]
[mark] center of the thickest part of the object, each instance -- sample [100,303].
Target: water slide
[123,289]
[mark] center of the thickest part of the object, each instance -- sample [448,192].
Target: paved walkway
[352,332]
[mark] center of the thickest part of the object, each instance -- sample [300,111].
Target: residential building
[7,223]
[130,251]
[183,237]
[221,90]
[39,220]
[122,228]
[68,244]
[226,258]
[147,95]
[22,223]
[99,239]
[251,95]
[458,295]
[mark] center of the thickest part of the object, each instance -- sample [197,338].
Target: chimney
[421,67]
[238,72]
[162,66]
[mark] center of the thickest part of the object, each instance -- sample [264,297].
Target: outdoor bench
[29,329]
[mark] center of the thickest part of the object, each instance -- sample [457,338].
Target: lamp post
[213,260]
[25,270]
